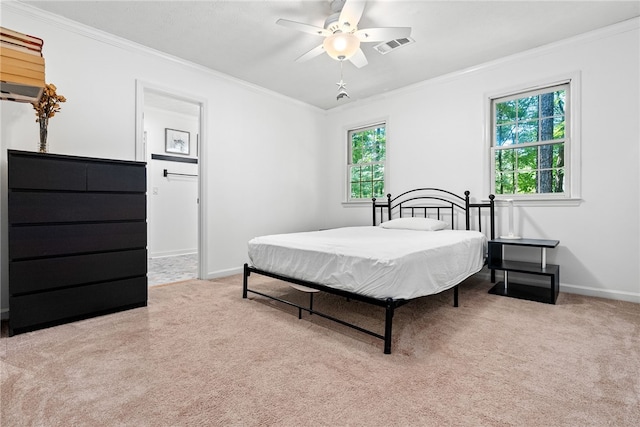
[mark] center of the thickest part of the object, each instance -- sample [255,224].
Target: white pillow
[420,224]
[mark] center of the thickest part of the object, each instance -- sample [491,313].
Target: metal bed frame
[420,202]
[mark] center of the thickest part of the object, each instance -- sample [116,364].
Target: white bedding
[373,261]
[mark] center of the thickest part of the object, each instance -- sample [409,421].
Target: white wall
[436,138]
[172,201]
[255,182]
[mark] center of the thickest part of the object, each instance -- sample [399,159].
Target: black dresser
[77,238]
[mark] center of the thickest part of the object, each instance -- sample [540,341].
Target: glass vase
[43,136]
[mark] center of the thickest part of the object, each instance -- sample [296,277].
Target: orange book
[14,52]
[19,71]
[9,61]
[14,78]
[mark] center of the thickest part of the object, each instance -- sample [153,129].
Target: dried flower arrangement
[47,107]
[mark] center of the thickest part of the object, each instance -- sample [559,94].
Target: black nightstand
[518,290]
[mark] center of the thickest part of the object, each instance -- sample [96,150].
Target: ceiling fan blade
[316,51]
[305,28]
[351,14]
[358,59]
[382,34]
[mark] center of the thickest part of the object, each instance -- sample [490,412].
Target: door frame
[140,151]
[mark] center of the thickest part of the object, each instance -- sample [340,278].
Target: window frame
[347,177]
[572,188]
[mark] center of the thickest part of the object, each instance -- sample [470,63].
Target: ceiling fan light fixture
[341,46]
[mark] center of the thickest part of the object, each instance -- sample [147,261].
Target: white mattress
[373,261]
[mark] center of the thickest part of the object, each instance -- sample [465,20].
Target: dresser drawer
[116,177]
[34,311]
[35,241]
[51,273]
[36,207]
[46,173]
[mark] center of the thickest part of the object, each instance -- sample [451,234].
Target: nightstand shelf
[524,291]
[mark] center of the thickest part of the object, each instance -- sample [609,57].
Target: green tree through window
[528,142]
[366,163]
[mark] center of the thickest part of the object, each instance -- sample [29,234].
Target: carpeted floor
[200,355]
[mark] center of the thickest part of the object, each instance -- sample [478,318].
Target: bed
[422,242]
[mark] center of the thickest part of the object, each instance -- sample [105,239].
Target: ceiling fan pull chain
[342,91]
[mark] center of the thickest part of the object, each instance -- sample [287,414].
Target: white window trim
[346,196]
[572,147]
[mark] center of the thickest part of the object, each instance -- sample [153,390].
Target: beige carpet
[200,355]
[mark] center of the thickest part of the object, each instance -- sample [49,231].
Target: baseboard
[225,273]
[601,293]
[573,289]
[173,253]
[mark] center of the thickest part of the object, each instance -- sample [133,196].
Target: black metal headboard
[435,203]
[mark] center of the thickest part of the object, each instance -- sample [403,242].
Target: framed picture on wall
[176,141]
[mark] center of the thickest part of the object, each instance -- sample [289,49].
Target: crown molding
[69,25]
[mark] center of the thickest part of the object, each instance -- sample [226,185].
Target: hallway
[163,270]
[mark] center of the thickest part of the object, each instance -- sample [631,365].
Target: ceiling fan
[341,33]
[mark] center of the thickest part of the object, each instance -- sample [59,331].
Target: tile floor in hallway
[171,269]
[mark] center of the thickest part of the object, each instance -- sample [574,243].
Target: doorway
[169,139]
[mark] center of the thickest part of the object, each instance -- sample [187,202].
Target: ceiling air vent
[386,47]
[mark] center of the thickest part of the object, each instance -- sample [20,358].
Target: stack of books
[21,66]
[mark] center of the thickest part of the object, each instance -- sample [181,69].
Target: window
[366,162]
[530,143]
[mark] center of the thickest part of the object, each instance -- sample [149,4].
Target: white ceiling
[241,38]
